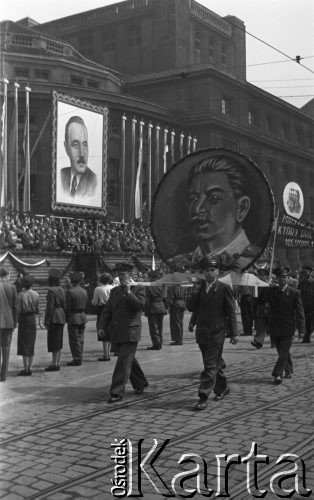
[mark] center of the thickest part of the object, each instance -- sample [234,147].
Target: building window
[23,40]
[227,106]
[113,182]
[211,48]
[75,80]
[269,123]
[134,36]
[285,130]
[93,84]
[55,47]
[224,53]
[197,40]
[253,117]
[109,41]
[42,74]
[21,73]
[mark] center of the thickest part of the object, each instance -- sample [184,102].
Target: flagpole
[27,193]
[131,214]
[273,247]
[138,185]
[150,128]
[157,150]
[194,144]
[4,146]
[172,146]
[122,196]
[189,144]
[16,165]
[165,149]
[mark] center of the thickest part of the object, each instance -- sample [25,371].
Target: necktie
[73,187]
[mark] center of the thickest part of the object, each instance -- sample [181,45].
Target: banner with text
[293,233]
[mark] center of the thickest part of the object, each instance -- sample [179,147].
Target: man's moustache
[200,218]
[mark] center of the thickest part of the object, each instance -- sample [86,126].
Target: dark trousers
[76,341]
[309,326]
[155,324]
[127,367]
[5,346]
[176,323]
[284,361]
[212,377]
[247,313]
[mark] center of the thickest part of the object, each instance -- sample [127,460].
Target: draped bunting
[20,262]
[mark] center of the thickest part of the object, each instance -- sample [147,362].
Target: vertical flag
[13,196]
[27,170]
[153,262]
[194,144]
[122,169]
[4,145]
[134,122]
[139,176]
[181,144]
[150,126]
[165,150]
[189,144]
[157,150]
[172,146]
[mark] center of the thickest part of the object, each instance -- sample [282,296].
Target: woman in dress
[55,318]
[100,298]
[27,308]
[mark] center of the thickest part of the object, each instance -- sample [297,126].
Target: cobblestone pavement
[57,428]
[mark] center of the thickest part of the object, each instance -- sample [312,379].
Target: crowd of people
[280,309]
[22,232]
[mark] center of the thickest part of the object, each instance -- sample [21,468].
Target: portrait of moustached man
[79,155]
[77,180]
[214,202]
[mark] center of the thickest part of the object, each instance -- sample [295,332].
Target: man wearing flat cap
[306,287]
[76,302]
[286,313]
[214,305]
[122,313]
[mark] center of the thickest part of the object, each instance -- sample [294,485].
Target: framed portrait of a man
[79,155]
[214,202]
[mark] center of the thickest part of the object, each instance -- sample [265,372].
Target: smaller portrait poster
[79,155]
[293,200]
[213,202]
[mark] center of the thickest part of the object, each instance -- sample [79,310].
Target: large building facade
[182,67]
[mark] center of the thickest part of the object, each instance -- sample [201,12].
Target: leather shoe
[52,368]
[154,348]
[225,393]
[201,404]
[277,380]
[140,390]
[256,344]
[176,343]
[22,373]
[74,363]
[114,398]
[104,359]
[288,375]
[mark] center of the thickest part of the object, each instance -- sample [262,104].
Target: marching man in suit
[214,305]
[286,312]
[78,181]
[122,313]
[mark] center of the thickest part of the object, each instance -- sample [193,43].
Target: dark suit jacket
[216,313]
[87,185]
[286,311]
[122,314]
[155,300]
[7,305]
[76,302]
[55,306]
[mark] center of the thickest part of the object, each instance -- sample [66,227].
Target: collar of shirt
[78,178]
[209,285]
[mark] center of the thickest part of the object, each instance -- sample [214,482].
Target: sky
[286,25]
